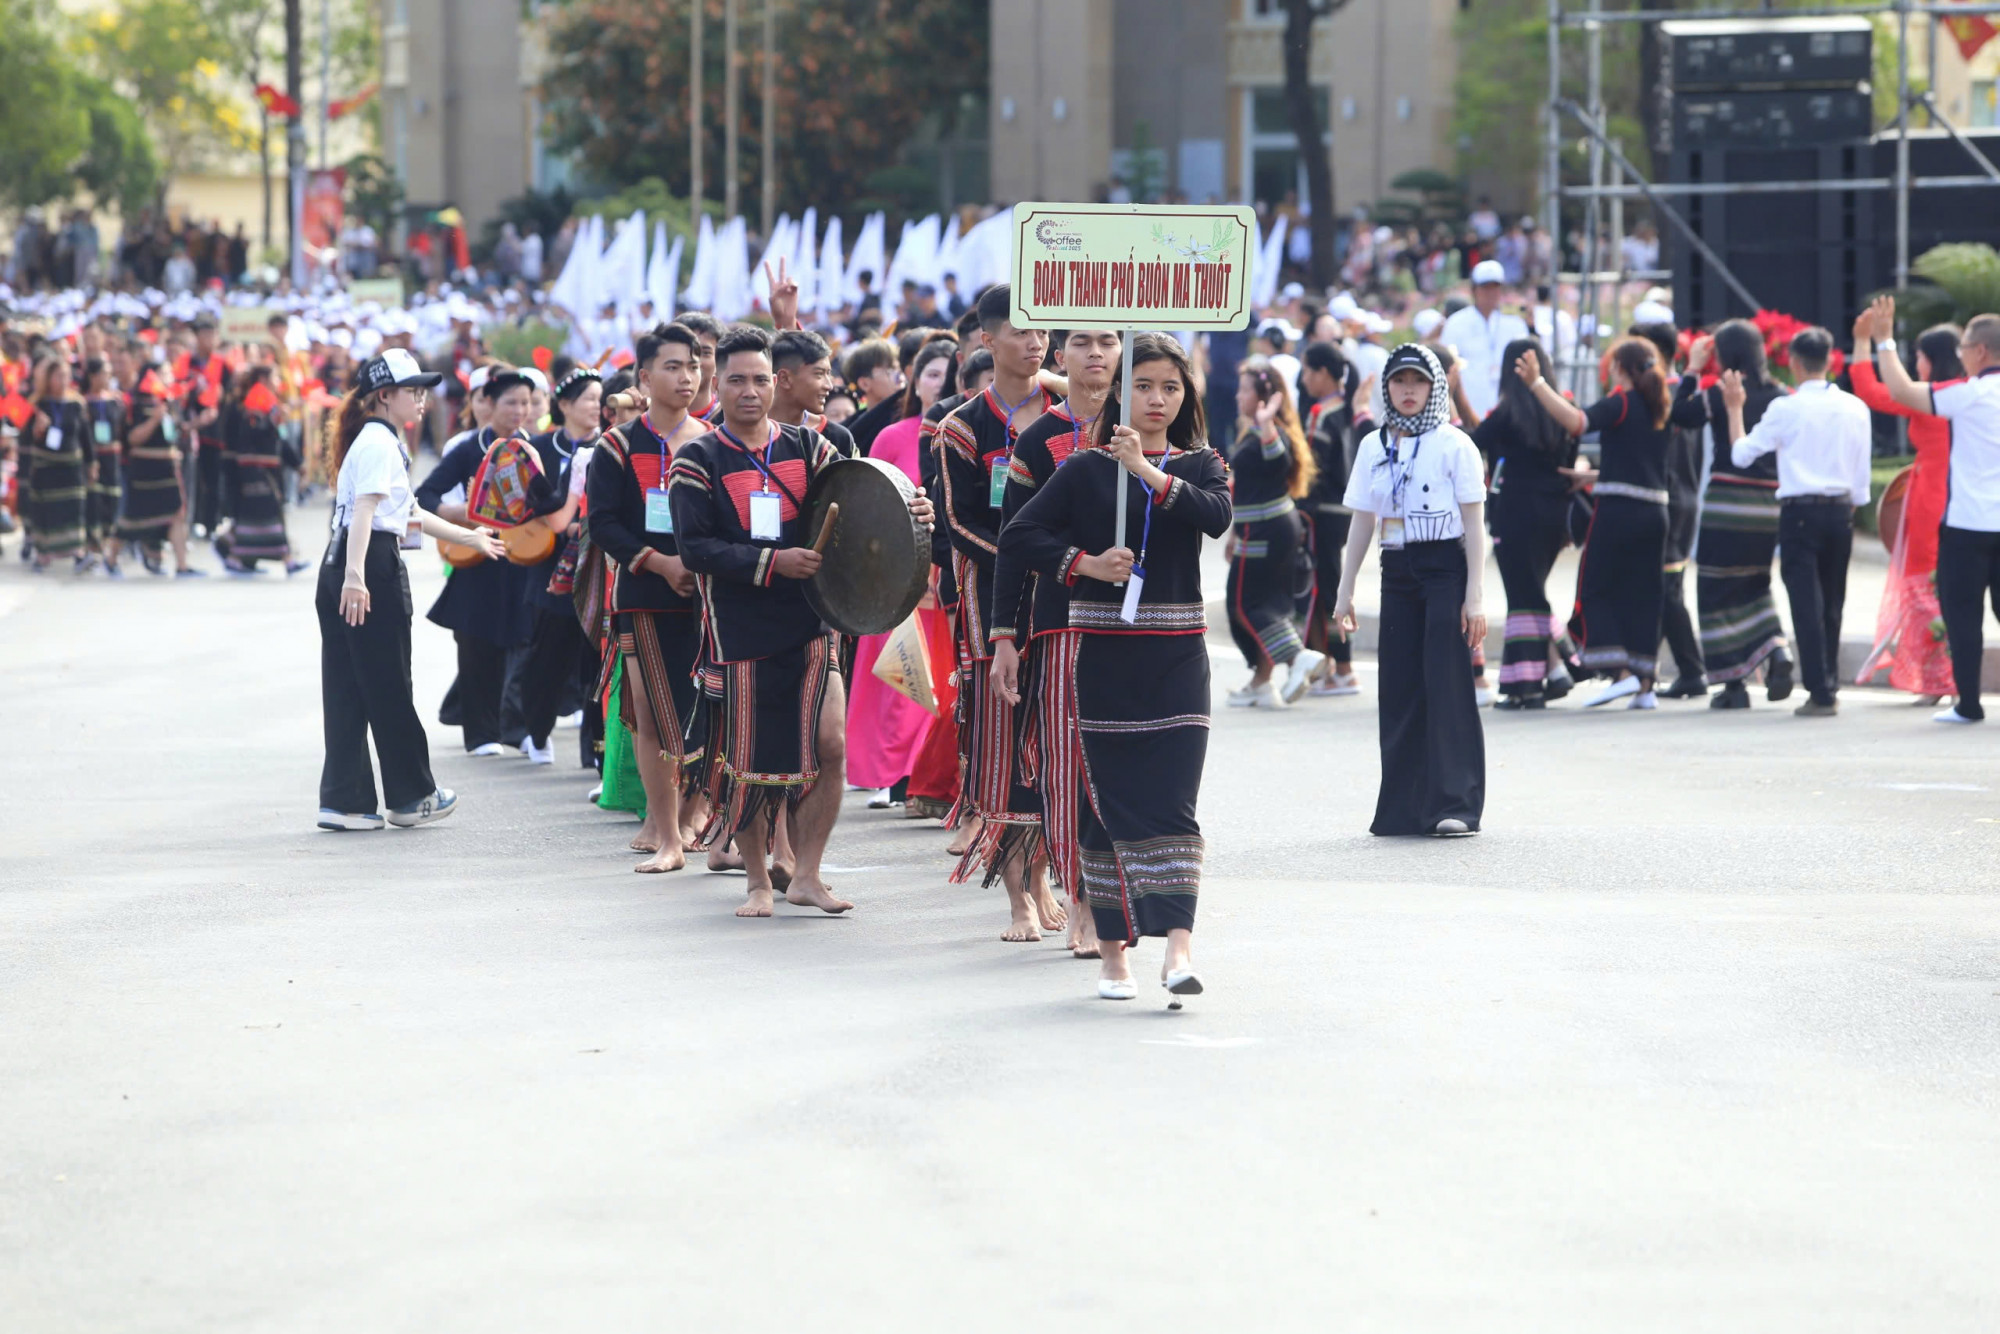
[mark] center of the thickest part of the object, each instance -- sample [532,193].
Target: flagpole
[1125,411]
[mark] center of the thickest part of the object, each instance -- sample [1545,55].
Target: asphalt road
[1703,1033]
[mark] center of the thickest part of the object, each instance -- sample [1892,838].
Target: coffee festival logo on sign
[1132,266]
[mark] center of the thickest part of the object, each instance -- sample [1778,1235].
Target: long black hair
[1740,348]
[1188,430]
[1520,412]
[1939,344]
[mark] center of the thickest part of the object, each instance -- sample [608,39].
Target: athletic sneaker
[595,793]
[342,821]
[1952,715]
[488,751]
[1336,684]
[1256,697]
[1451,828]
[1482,696]
[1618,689]
[571,719]
[1645,699]
[434,807]
[1300,674]
[880,800]
[538,754]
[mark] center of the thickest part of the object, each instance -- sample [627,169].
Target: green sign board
[1132,266]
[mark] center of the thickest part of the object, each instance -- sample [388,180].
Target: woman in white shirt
[365,647]
[1419,480]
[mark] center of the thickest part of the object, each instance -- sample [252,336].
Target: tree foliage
[854,80]
[60,129]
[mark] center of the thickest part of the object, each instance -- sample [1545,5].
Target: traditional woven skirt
[665,645]
[105,497]
[1618,589]
[1142,706]
[1262,592]
[1739,537]
[1052,748]
[58,498]
[153,497]
[257,522]
[769,751]
[1528,535]
[995,789]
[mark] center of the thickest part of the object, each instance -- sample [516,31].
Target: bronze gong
[878,557]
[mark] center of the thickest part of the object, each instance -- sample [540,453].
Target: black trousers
[554,658]
[364,675]
[1433,749]
[1968,573]
[1677,626]
[1328,533]
[482,675]
[1814,543]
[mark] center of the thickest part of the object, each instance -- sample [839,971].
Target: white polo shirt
[1973,409]
[1443,470]
[1481,342]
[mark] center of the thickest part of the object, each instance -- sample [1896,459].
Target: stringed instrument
[529,543]
[502,496]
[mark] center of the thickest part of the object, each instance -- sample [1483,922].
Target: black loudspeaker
[1811,254]
[1957,213]
[1776,118]
[1778,52]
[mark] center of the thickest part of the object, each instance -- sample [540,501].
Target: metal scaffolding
[1626,182]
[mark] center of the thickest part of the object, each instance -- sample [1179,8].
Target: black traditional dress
[773,652]
[976,446]
[253,459]
[656,627]
[1033,610]
[1142,687]
[1737,538]
[55,468]
[107,448]
[1618,591]
[1261,593]
[552,677]
[1328,430]
[1527,510]
[153,496]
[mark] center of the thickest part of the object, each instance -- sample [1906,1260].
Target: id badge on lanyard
[101,431]
[1392,533]
[996,480]
[413,534]
[54,439]
[660,515]
[766,517]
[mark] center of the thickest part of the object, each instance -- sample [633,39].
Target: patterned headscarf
[1437,408]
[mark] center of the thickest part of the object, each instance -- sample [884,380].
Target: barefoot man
[738,500]
[652,592]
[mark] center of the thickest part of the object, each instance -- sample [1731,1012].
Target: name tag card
[54,439]
[1392,533]
[660,515]
[1129,613]
[102,431]
[996,482]
[766,518]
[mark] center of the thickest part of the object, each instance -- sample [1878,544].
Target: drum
[1889,509]
[878,557]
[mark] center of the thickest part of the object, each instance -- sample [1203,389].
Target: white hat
[1427,322]
[1344,308]
[535,377]
[1377,324]
[477,380]
[1652,312]
[1291,292]
[1488,271]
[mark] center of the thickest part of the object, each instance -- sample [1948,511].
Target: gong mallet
[826,527]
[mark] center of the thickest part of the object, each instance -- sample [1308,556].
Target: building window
[1270,167]
[1984,108]
[1264,11]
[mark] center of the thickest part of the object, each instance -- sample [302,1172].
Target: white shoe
[1952,715]
[1452,829]
[1303,669]
[341,820]
[1123,988]
[571,719]
[1186,982]
[1336,684]
[880,801]
[434,807]
[538,754]
[1616,690]
[1645,699]
[1257,697]
[595,793]
[489,750]
[1483,696]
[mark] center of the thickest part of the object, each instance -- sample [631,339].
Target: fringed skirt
[769,748]
[1142,707]
[1052,748]
[1739,538]
[665,646]
[995,789]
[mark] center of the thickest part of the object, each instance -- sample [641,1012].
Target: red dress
[1909,629]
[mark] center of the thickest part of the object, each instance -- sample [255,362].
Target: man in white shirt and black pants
[1479,335]
[1968,568]
[1823,441]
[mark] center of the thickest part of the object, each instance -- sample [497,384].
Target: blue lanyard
[769,479]
[1011,409]
[1146,529]
[1398,484]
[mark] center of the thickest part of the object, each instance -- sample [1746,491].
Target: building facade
[1184,99]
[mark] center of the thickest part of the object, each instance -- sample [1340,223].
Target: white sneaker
[489,750]
[1121,988]
[571,719]
[880,801]
[538,754]
[1952,715]
[1645,699]
[1452,828]
[1301,673]
[595,793]
[1483,696]
[1336,684]
[342,821]
[434,807]
[1257,697]
[1616,690]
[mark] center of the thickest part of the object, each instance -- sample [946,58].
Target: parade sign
[246,324]
[1132,266]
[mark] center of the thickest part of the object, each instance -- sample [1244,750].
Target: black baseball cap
[395,368]
[1413,357]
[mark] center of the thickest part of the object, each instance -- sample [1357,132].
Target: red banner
[276,102]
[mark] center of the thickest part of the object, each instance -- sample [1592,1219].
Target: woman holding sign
[1141,670]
